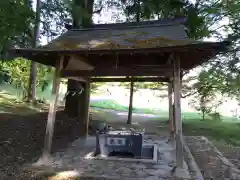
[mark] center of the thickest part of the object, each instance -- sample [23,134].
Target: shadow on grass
[9,104]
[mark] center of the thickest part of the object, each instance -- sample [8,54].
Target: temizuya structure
[158,49]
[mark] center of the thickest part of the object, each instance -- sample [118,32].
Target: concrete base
[154,160]
[44,161]
[182,173]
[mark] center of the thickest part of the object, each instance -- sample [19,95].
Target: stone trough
[150,152]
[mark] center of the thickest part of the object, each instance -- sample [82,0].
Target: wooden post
[87,105]
[177,113]
[83,109]
[129,121]
[52,110]
[170,100]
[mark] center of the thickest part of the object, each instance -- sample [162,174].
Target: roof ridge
[162,22]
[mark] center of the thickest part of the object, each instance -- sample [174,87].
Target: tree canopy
[16,23]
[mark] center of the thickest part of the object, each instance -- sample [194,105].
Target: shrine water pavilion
[158,51]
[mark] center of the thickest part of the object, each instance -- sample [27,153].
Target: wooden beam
[81,79]
[216,46]
[177,113]
[117,72]
[52,110]
[129,121]
[140,79]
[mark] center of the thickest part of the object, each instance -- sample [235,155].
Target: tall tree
[33,71]
[82,12]
[204,97]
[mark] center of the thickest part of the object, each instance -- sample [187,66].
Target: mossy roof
[101,42]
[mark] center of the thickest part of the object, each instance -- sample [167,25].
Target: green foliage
[54,14]
[204,96]
[16,20]
[215,116]
[18,71]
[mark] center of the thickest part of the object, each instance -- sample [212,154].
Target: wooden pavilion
[159,49]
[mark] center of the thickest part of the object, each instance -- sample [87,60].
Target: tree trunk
[138,4]
[203,115]
[129,121]
[72,104]
[32,83]
[33,71]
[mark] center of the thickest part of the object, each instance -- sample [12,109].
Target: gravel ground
[230,152]
[211,163]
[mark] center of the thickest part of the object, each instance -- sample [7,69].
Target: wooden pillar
[87,105]
[129,120]
[177,113]
[52,110]
[170,112]
[83,109]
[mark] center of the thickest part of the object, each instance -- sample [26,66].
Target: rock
[124,170]
[168,157]
[139,166]
[154,178]
[235,176]
[163,172]
[162,166]
[141,173]
[182,173]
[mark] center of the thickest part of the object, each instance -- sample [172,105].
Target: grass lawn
[113,105]
[219,131]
